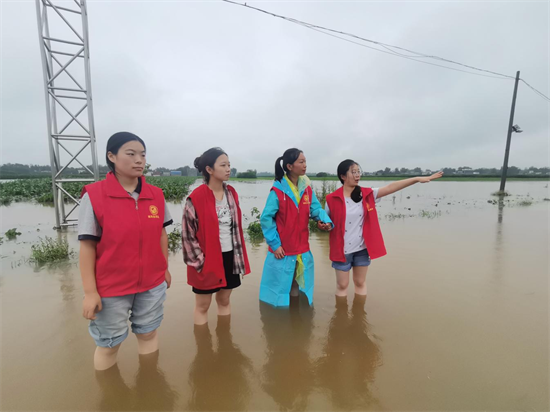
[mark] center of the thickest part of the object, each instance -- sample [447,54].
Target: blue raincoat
[278,274]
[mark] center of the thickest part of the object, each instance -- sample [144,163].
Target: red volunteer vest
[371,228]
[293,222]
[129,257]
[212,275]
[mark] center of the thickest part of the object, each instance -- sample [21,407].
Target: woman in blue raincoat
[288,267]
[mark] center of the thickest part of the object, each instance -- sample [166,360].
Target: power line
[407,57]
[390,49]
[535,90]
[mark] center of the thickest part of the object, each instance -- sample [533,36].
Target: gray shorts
[145,311]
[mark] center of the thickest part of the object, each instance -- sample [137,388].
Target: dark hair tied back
[343,169]
[288,157]
[208,158]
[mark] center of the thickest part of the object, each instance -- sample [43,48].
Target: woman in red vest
[289,266]
[356,238]
[213,241]
[123,252]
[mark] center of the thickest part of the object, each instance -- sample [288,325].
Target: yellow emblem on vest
[154,212]
[306,199]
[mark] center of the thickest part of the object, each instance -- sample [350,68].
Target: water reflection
[499,246]
[115,394]
[219,379]
[151,392]
[350,358]
[288,375]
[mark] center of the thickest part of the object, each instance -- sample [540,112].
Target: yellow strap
[299,262]
[294,190]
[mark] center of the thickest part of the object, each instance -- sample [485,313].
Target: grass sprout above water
[49,250]
[428,214]
[12,234]
[254,229]
[174,239]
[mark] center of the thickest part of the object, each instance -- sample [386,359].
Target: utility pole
[508,140]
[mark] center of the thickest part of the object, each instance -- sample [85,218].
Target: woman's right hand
[91,305]
[279,253]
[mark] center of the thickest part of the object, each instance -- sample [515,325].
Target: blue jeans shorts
[145,311]
[360,258]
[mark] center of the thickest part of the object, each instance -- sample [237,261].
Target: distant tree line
[9,170]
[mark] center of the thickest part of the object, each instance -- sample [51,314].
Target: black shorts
[233,281]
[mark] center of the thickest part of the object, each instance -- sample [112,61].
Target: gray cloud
[187,76]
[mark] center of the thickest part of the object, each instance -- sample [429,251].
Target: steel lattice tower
[64,47]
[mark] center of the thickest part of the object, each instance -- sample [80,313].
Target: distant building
[175,173]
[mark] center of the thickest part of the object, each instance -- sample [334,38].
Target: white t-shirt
[225,222]
[353,235]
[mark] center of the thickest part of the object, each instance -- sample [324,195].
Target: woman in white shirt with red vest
[212,233]
[356,237]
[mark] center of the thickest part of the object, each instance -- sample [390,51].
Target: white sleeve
[375,194]
[327,209]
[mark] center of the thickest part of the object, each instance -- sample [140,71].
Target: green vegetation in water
[12,234]
[525,202]
[500,193]
[428,214]
[49,250]
[254,229]
[174,239]
[175,188]
[394,216]
[34,189]
[1,240]
[313,226]
[326,189]
[442,179]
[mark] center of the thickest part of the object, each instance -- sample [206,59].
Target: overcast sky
[186,76]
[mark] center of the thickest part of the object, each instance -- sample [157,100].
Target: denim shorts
[145,311]
[360,258]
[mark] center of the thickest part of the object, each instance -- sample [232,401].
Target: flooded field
[456,318]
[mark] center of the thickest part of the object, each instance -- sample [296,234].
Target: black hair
[118,140]
[343,169]
[208,158]
[288,157]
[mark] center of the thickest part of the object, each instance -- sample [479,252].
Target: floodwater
[456,318]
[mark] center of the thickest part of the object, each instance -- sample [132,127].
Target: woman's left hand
[427,179]
[327,227]
[168,278]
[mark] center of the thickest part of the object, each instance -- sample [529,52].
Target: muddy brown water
[456,318]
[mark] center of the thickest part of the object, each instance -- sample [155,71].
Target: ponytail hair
[288,157]
[208,158]
[343,169]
